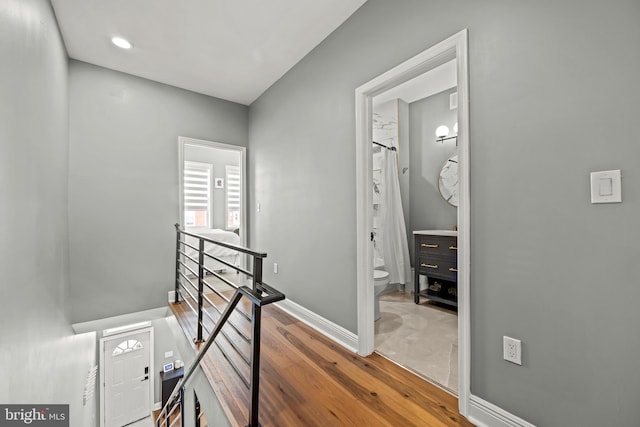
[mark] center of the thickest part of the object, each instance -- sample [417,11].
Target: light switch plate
[606,186]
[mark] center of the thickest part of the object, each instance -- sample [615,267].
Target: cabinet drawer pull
[428,245]
[453,270]
[453,248]
[429,265]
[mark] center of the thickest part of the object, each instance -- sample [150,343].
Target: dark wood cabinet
[169,380]
[436,257]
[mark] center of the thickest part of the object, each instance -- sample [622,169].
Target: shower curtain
[394,235]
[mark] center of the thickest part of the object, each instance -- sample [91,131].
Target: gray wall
[429,211]
[123,184]
[42,361]
[553,97]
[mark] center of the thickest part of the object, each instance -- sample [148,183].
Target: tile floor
[422,338]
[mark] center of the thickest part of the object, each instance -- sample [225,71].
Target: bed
[228,255]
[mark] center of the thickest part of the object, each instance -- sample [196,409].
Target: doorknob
[145,378]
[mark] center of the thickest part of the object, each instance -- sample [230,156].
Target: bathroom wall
[429,211]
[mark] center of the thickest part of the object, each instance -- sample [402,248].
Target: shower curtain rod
[382,145]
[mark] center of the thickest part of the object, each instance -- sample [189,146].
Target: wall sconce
[442,132]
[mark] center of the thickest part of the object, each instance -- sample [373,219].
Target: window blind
[197,186]
[233,196]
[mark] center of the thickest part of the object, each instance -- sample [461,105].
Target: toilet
[380,281]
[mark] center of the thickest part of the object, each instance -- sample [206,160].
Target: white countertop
[437,232]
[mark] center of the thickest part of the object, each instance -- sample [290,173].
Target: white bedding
[218,235]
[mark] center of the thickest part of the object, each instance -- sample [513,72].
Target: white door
[127,378]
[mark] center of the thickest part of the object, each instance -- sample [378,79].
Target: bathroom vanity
[436,257]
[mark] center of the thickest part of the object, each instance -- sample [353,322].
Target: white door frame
[455,47]
[184,141]
[120,336]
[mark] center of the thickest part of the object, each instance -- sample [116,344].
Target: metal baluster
[176,298]
[200,288]
[198,411]
[182,406]
[254,390]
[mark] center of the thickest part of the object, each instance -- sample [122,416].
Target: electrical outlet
[275,267]
[168,354]
[512,350]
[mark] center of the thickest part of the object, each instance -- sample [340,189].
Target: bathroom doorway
[453,49]
[422,336]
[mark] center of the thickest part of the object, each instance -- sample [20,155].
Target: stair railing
[259,295]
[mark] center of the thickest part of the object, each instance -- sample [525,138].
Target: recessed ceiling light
[120,42]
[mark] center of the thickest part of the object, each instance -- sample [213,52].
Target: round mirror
[448,181]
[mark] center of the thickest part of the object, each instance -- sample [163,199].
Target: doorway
[212,194]
[453,48]
[419,333]
[127,372]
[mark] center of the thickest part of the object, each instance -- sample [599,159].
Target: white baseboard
[172,296]
[327,328]
[480,412]
[485,414]
[157,405]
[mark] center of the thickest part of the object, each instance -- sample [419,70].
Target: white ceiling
[229,49]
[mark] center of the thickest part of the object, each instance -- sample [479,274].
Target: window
[126,346]
[232,196]
[197,194]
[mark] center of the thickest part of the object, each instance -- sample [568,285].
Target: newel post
[257,271]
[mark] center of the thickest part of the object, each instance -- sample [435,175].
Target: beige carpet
[422,338]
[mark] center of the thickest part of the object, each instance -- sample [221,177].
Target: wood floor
[308,380]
